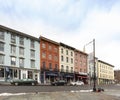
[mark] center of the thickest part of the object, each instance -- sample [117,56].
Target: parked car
[77,83]
[24,82]
[59,82]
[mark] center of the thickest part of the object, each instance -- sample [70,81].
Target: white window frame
[1,59]
[1,47]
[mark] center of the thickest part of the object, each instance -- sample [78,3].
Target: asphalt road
[36,89]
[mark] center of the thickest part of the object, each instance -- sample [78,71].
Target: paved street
[112,92]
[63,96]
[35,89]
[32,89]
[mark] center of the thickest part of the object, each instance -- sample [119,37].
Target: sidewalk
[4,83]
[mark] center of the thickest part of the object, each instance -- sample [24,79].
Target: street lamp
[94,73]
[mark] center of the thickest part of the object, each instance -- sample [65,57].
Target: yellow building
[105,73]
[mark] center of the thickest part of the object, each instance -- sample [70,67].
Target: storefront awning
[51,74]
[70,76]
[82,76]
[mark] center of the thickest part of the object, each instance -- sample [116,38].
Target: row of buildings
[24,56]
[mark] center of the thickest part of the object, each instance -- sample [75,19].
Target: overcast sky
[73,22]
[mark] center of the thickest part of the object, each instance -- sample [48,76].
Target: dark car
[24,82]
[59,82]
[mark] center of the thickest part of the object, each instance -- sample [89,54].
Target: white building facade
[19,55]
[66,54]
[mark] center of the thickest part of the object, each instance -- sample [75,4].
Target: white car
[77,83]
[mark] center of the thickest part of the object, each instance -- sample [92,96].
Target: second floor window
[56,58]
[1,59]
[67,68]
[50,66]
[21,62]
[13,61]
[43,64]
[56,66]
[13,38]
[32,64]
[13,49]
[62,68]
[71,69]
[1,35]
[1,46]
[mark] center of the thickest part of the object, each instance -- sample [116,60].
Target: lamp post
[94,73]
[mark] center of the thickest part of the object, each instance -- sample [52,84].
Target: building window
[66,52]
[71,69]
[43,45]
[21,41]
[32,44]
[67,68]
[21,62]
[21,51]
[80,70]
[44,65]
[84,70]
[50,66]
[13,61]
[13,38]
[13,49]
[71,53]
[50,47]
[32,54]
[67,60]
[62,50]
[43,55]
[1,47]
[55,58]
[15,73]
[32,64]
[1,35]
[50,57]
[80,63]
[24,75]
[2,72]
[62,68]
[62,58]
[56,66]
[30,74]
[55,49]
[71,60]
[1,59]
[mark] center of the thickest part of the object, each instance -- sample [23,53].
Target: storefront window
[15,73]
[30,74]
[1,72]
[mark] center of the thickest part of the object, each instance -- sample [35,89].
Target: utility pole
[94,68]
[94,77]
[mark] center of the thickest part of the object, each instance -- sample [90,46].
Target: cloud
[74,22]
